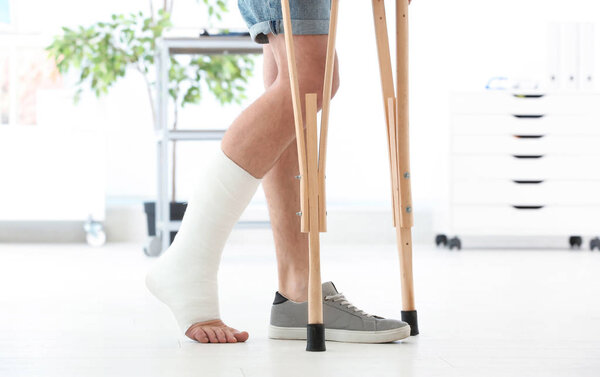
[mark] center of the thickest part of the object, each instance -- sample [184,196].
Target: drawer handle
[527,207]
[529,136]
[522,182]
[528,95]
[528,155]
[528,116]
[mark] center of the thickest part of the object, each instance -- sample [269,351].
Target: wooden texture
[327,85]
[402,114]
[386,76]
[297,105]
[403,232]
[393,143]
[404,239]
[315,299]
[396,113]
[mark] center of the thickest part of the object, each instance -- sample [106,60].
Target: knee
[309,81]
[336,82]
[314,83]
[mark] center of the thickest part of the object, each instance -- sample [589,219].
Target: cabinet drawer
[507,103]
[526,143]
[507,220]
[508,192]
[502,124]
[475,167]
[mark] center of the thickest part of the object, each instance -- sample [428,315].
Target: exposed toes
[220,334]
[241,336]
[212,337]
[215,332]
[229,335]
[200,336]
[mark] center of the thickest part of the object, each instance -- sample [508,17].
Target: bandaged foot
[185,276]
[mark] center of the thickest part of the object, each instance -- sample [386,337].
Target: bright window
[24,70]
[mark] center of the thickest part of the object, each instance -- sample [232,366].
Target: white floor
[71,310]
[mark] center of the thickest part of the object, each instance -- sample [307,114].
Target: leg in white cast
[185,276]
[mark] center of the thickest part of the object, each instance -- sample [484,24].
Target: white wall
[454,45]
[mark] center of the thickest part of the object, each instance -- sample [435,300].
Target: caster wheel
[94,233]
[96,239]
[152,247]
[595,243]
[575,242]
[441,239]
[454,242]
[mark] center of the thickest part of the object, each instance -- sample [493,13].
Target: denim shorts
[264,17]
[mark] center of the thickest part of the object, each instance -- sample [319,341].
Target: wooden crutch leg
[297,105]
[396,111]
[315,337]
[409,312]
[311,158]
[387,81]
[309,202]
[327,86]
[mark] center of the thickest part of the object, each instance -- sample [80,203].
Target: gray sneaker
[344,322]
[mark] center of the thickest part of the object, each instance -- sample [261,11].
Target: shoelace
[339,297]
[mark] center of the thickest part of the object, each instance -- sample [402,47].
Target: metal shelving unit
[164,135]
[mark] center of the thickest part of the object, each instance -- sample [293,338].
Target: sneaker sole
[347,336]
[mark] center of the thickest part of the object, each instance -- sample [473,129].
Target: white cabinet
[524,164]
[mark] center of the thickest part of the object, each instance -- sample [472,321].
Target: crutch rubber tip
[410,317]
[315,337]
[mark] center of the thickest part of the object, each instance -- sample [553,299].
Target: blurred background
[64,162]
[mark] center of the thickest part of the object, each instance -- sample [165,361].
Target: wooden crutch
[311,161]
[396,114]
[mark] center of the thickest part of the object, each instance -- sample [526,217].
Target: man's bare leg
[291,246]
[259,136]
[282,191]
[256,141]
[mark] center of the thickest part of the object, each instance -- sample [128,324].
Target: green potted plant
[105,52]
